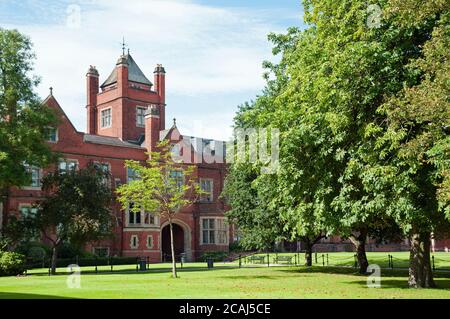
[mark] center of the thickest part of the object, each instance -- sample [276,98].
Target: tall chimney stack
[91,105]
[160,87]
[152,128]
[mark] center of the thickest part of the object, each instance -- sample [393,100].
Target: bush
[215,255]
[11,264]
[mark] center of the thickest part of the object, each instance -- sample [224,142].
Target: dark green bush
[215,255]
[11,264]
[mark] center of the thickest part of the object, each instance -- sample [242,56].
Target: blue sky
[212,50]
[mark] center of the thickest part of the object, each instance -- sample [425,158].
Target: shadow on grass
[396,278]
[15,295]
[134,272]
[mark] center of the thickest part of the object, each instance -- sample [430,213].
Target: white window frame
[216,231]
[107,180]
[204,198]
[67,160]
[132,246]
[102,117]
[56,135]
[129,178]
[30,169]
[128,224]
[140,116]
[152,242]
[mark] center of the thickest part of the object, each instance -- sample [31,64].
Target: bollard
[268,260]
[240,261]
[315,254]
[356,261]
[96,271]
[295,259]
[392,262]
[389,261]
[327,260]
[432,258]
[323,260]
[111,267]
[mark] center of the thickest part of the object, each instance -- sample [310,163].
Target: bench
[256,259]
[287,259]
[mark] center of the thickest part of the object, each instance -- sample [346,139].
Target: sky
[212,50]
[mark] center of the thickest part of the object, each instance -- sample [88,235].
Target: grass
[400,259]
[224,281]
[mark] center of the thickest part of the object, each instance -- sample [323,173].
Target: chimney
[91,105]
[122,75]
[160,87]
[152,128]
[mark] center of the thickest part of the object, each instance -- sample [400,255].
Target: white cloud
[205,49]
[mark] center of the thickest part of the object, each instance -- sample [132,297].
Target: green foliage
[215,255]
[163,187]
[157,190]
[23,118]
[11,263]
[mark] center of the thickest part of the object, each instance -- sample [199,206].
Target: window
[104,167]
[214,231]
[208,231]
[134,242]
[66,165]
[27,211]
[140,116]
[35,173]
[131,174]
[106,118]
[177,177]
[222,231]
[149,219]
[206,186]
[52,135]
[134,218]
[149,241]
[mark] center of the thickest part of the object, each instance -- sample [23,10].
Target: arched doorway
[178,242]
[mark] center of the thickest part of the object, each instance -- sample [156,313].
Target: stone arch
[187,237]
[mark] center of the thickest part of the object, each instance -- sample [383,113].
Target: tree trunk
[360,244]
[308,254]
[54,258]
[172,248]
[420,272]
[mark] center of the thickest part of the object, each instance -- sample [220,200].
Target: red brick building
[126,119]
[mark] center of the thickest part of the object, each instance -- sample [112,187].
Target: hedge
[11,264]
[100,261]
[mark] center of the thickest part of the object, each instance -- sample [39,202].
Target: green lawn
[224,281]
[400,259]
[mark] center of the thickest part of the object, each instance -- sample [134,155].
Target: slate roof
[107,140]
[134,74]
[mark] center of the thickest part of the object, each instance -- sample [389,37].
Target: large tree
[163,186]
[76,208]
[363,110]
[24,120]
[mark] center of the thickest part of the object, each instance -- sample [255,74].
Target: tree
[76,208]
[259,226]
[415,136]
[24,120]
[164,186]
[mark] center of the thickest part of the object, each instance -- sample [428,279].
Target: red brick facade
[125,119]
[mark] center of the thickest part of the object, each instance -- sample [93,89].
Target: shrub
[215,255]
[11,264]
